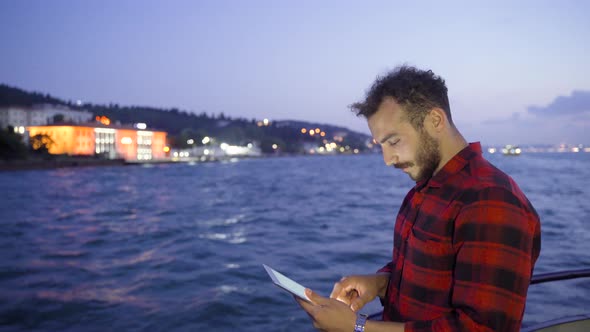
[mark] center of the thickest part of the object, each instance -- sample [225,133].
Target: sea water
[180,247]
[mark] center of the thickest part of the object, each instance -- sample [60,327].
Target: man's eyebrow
[390,135]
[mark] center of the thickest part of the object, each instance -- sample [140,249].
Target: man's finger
[343,292]
[345,295]
[357,304]
[308,307]
[337,289]
[316,298]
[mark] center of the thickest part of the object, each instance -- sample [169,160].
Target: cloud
[577,103]
[531,130]
[564,120]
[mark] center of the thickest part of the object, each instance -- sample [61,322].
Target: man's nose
[388,157]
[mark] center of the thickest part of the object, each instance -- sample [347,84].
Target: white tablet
[286,283]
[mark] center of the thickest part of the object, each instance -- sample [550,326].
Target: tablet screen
[286,283]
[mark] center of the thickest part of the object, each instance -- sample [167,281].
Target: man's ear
[436,120]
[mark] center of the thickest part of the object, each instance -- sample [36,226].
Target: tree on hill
[11,145]
[41,143]
[11,96]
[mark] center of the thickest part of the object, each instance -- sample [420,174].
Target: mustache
[403,165]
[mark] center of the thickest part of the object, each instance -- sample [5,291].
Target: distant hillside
[324,126]
[10,96]
[182,125]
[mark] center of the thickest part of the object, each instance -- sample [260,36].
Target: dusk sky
[517,72]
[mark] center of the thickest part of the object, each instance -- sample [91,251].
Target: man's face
[413,151]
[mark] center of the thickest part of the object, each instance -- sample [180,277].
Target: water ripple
[180,247]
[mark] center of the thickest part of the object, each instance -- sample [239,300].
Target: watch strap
[359,326]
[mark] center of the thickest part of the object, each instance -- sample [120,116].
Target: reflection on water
[180,247]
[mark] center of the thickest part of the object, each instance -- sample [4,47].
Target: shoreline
[40,164]
[69,162]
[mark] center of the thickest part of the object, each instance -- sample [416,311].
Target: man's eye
[392,143]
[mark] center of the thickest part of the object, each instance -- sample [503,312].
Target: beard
[427,157]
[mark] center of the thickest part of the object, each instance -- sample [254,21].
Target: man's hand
[356,291]
[327,314]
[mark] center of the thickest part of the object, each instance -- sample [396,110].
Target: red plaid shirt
[465,243]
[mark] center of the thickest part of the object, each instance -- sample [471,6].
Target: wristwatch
[359,326]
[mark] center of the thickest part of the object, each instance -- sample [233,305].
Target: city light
[190,141]
[126,140]
[264,122]
[311,132]
[274,146]
[104,130]
[141,125]
[166,149]
[234,150]
[103,119]
[303,130]
[206,140]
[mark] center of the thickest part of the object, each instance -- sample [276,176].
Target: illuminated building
[96,139]
[41,114]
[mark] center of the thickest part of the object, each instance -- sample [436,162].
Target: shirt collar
[453,166]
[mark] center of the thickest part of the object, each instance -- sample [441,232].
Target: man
[466,238]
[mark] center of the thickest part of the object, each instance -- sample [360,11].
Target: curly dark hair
[417,91]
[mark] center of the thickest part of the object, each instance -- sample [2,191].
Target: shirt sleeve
[387,268]
[496,240]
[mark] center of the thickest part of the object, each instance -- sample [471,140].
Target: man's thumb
[315,298]
[357,304]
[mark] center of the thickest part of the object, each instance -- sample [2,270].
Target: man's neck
[450,147]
